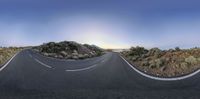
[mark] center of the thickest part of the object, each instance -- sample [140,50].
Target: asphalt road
[33,76]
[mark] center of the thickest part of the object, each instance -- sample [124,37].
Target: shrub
[177,49]
[137,51]
[159,62]
[156,52]
[191,60]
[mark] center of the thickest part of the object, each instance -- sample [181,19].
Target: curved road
[32,76]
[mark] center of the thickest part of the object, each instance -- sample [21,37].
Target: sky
[105,23]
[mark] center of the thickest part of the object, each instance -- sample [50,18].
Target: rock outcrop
[69,50]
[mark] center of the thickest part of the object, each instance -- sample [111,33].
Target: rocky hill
[165,63]
[68,50]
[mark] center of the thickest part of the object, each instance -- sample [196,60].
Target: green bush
[177,49]
[191,60]
[137,51]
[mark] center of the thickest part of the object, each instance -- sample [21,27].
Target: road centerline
[42,63]
[82,69]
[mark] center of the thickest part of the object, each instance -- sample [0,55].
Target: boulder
[74,57]
[45,54]
[63,53]
[80,56]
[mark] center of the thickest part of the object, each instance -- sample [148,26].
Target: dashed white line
[43,63]
[159,78]
[39,61]
[82,69]
[30,55]
[103,61]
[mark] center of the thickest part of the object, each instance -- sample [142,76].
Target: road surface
[33,76]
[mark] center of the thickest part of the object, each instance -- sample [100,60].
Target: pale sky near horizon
[105,23]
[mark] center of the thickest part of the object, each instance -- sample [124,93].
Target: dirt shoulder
[164,63]
[7,53]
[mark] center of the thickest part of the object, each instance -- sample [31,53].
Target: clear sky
[105,23]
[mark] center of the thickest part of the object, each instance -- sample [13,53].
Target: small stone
[163,68]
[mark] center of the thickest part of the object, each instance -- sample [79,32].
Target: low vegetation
[164,63]
[7,53]
[69,50]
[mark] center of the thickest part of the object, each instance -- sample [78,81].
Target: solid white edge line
[42,63]
[4,66]
[159,78]
[82,69]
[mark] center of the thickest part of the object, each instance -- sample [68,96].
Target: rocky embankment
[69,50]
[7,52]
[164,63]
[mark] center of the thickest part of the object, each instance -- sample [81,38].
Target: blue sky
[106,23]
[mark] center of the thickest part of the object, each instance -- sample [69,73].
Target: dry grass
[165,63]
[7,53]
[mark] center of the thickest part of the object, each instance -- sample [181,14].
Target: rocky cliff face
[69,50]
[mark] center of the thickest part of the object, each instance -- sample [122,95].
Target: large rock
[63,53]
[74,57]
[80,56]
[75,54]
[46,54]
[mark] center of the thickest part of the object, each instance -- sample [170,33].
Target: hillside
[68,50]
[164,63]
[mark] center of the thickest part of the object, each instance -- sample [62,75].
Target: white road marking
[43,63]
[82,69]
[159,78]
[30,55]
[4,66]
[103,61]
[39,61]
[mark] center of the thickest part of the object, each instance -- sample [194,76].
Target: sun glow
[98,32]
